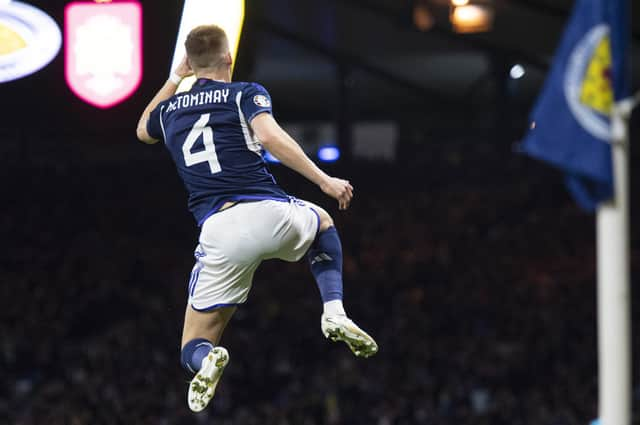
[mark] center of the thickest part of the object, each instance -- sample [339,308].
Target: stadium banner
[571,120]
[103,50]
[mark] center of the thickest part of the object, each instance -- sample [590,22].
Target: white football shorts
[234,242]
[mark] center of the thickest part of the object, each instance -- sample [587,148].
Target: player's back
[208,135]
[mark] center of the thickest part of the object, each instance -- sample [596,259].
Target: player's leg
[325,260]
[200,353]
[220,280]
[201,330]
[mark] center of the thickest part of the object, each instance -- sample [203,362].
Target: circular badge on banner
[587,82]
[29,40]
[261,100]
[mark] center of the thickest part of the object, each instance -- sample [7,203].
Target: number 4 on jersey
[201,128]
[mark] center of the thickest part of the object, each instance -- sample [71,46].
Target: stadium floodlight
[471,18]
[103,50]
[328,153]
[227,14]
[517,71]
[29,40]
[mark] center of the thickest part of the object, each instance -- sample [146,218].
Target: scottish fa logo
[587,82]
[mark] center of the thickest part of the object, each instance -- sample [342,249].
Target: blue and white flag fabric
[570,123]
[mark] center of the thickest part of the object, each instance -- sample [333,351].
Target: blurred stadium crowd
[474,272]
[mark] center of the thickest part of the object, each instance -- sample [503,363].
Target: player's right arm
[166,91]
[288,151]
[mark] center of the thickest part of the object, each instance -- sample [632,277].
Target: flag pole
[614,318]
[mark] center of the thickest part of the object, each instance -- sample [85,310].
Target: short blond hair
[206,47]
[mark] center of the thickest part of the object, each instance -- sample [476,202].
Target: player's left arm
[166,91]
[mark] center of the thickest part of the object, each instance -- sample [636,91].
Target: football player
[215,134]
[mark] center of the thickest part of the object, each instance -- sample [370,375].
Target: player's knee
[325,219]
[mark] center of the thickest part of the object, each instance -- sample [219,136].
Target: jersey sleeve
[255,100]
[154,126]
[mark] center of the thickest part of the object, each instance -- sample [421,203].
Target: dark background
[468,262]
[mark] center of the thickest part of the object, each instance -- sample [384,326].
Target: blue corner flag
[570,125]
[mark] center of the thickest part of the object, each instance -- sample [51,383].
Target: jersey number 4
[201,128]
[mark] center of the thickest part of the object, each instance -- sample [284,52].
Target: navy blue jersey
[216,153]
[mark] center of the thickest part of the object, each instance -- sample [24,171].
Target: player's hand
[340,190]
[184,70]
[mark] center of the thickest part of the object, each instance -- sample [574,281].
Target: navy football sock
[193,353]
[325,258]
